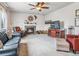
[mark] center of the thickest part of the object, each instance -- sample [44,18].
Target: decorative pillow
[3,37]
[1,44]
[9,35]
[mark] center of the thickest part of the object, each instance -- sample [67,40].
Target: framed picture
[77,22]
[77,12]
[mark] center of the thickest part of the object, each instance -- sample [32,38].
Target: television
[55,25]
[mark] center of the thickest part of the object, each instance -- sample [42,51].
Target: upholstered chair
[18,29]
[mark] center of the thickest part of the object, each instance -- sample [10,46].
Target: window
[3,19]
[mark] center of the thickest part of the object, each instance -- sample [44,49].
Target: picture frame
[77,12]
[76,22]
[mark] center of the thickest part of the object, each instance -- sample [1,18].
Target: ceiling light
[38,8]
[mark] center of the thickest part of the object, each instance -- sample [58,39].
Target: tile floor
[43,45]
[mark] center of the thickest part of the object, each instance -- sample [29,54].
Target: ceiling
[25,8]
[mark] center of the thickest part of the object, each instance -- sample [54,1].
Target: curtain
[3,18]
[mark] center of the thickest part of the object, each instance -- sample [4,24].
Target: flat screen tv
[55,25]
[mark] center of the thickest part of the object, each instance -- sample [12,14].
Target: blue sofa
[9,45]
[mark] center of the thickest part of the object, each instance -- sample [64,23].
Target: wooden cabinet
[56,33]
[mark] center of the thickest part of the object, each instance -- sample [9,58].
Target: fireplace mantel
[31,27]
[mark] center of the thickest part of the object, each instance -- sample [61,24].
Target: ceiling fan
[39,6]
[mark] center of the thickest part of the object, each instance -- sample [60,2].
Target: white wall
[0,20]
[19,18]
[66,14]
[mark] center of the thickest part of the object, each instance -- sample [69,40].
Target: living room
[39,28]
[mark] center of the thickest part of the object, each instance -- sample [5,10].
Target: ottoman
[62,45]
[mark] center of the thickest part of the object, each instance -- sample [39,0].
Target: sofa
[74,42]
[10,45]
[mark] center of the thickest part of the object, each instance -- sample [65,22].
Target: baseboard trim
[62,50]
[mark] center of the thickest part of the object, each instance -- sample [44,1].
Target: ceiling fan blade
[31,5]
[42,3]
[32,8]
[38,4]
[45,7]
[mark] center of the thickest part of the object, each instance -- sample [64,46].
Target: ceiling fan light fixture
[38,8]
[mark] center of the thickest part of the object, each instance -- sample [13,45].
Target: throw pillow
[3,37]
[1,44]
[9,35]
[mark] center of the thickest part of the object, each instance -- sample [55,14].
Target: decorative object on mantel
[31,19]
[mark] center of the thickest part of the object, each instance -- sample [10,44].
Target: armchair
[74,42]
[18,29]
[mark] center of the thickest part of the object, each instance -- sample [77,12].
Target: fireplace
[30,28]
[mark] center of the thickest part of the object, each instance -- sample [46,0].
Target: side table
[23,48]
